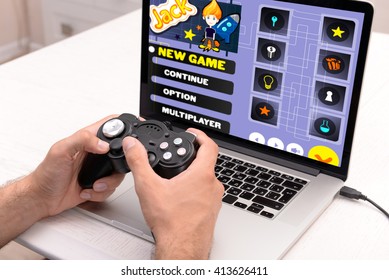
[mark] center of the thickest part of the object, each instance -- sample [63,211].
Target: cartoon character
[212,13]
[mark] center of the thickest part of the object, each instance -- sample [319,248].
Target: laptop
[276,84]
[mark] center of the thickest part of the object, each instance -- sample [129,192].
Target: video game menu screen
[276,73]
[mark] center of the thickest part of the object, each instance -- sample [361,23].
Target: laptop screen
[281,75]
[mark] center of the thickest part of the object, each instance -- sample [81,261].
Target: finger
[91,195]
[81,141]
[207,152]
[137,159]
[108,183]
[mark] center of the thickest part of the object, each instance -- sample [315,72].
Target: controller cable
[354,194]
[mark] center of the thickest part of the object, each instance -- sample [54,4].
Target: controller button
[181,152]
[178,141]
[167,134]
[116,146]
[151,157]
[134,135]
[152,142]
[167,156]
[163,146]
[113,128]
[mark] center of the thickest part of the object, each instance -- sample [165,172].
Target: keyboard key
[249,165]
[276,188]
[240,205]
[255,208]
[288,194]
[287,177]
[240,168]
[260,191]
[292,185]
[268,202]
[300,181]
[234,191]
[223,179]
[227,172]
[247,187]
[274,173]
[237,161]
[267,214]
[264,184]
[226,187]
[224,157]
[262,169]
[235,183]
[218,169]
[264,176]
[229,199]
[252,172]
[273,195]
[276,180]
[239,176]
[251,180]
[247,195]
[228,165]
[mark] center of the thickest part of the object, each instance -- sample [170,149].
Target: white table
[49,94]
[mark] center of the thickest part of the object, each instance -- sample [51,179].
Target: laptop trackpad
[122,210]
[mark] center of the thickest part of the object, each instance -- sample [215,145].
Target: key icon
[274,20]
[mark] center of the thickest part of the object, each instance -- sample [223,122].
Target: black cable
[354,194]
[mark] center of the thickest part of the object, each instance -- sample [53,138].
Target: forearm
[20,207]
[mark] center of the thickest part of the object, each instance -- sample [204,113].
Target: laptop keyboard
[254,188]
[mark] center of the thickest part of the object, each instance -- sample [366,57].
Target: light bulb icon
[268,80]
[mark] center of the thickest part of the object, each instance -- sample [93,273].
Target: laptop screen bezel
[248,147]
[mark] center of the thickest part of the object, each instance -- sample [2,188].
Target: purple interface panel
[279,74]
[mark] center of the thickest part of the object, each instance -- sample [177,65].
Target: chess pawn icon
[329,96]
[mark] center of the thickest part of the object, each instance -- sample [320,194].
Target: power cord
[354,194]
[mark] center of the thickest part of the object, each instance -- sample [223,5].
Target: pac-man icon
[324,154]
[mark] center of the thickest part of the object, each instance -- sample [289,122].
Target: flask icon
[324,127]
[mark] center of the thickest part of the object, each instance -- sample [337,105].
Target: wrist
[19,208]
[28,191]
[194,245]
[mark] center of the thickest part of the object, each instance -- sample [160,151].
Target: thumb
[137,158]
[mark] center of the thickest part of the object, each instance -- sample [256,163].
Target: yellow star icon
[189,34]
[337,32]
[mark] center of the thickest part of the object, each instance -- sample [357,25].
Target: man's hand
[182,211]
[53,187]
[55,179]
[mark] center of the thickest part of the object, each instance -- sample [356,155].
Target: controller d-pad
[113,128]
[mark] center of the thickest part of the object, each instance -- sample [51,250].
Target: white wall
[381,15]
[20,27]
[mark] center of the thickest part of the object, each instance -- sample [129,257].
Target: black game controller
[169,152]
